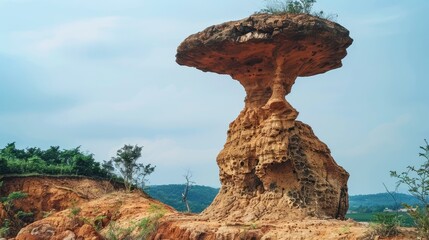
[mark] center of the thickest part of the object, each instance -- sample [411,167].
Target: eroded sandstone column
[272,166]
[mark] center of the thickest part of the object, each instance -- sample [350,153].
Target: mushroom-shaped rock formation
[272,166]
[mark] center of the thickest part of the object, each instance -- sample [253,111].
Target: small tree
[188,185]
[142,172]
[126,162]
[417,181]
[108,169]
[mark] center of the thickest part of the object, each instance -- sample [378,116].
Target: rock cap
[304,44]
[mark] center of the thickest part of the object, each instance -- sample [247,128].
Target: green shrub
[15,218]
[74,210]
[5,229]
[3,165]
[145,227]
[294,7]
[386,224]
[52,161]
[421,219]
[417,181]
[288,6]
[8,202]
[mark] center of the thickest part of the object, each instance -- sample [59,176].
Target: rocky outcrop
[47,195]
[121,215]
[117,215]
[272,167]
[113,215]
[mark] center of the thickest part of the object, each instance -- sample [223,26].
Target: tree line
[52,161]
[66,162]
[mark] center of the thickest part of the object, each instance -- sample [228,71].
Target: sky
[100,74]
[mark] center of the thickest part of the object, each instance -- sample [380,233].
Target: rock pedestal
[272,167]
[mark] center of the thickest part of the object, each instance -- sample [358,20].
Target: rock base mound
[274,169]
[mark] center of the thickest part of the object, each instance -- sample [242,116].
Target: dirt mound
[52,194]
[117,215]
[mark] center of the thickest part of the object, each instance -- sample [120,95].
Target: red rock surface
[53,194]
[116,215]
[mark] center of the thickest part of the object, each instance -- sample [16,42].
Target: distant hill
[377,202]
[199,196]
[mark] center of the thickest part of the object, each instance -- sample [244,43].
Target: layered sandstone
[272,167]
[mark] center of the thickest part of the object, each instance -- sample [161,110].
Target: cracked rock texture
[272,167]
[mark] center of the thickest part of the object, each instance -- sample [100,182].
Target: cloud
[102,37]
[378,19]
[382,21]
[384,136]
[72,34]
[119,108]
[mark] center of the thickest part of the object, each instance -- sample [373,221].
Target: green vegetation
[372,203]
[294,7]
[199,198]
[96,222]
[417,181]
[15,217]
[52,161]
[145,227]
[5,228]
[406,220]
[288,6]
[73,162]
[116,232]
[74,210]
[132,172]
[386,224]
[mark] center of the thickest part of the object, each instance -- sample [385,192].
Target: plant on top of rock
[288,6]
[417,181]
[294,6]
